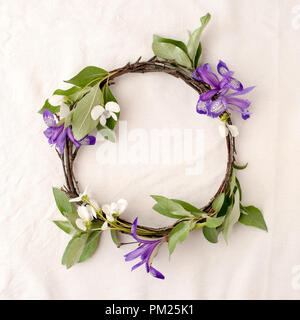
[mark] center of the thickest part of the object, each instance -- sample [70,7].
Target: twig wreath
[70,116]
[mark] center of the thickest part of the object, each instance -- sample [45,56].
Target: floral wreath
[70,116]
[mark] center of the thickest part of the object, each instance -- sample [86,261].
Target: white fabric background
[43,42]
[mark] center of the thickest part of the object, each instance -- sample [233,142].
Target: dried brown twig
[175,70]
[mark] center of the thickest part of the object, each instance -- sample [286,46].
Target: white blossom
[225,128]
[103,113]
[81,195]
[86,215]
[113,210]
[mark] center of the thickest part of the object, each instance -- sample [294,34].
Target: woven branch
[175,70]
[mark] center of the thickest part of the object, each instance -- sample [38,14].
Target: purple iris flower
[215,101]
[146,251]
[57,135]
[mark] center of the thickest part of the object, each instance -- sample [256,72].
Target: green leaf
[169,208]
[82,122]
[232,184]
[232,216]
[90,245]
[66,226]
[212,222]
[50,107]
[65,207]
[71,93]
[198,55]
[88,77]
[114,236]
[193,43]
[188,207]
[211,234]
[62,201]
[96,224]
[226,204]
[166,212]
[218,202]
[252,216]
[74,250]
[239,187]
[108,134]
[178,233]
[240,167]
[170,49]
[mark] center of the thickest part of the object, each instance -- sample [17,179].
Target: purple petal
[239,93]
[202,106]
[196,76]
[246,115]
[88,140]
[52,133]
[155,273]
[224,83]
[216,107]
[49,118]
[135,253]
[49,132]
[134,235]
[60,141]
[235,84]
[133,228]
[208,94]
[71,137]
[207,76]
[240,103]
[222,68]
[150,255]
[138,265]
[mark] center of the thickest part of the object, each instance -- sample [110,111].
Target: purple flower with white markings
[58,134]
[146,251]
[217,100]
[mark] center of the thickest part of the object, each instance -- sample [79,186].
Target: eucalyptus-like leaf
[211,234]
[114,237]
[232,184]
[82,122]
[232,215]
[50,107]
[212,222]
[166,212]
[65,207]
[74,250]
[252,216]
[242,167]
[88,77]
[66,226]
[189,207]
[218,202]
[71,93]
[239,187]
[107,134]
[198,55]
[90,245]
[179,233]
[170,206]
[193,43]
[62,202]
[170,49]
[226,204]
